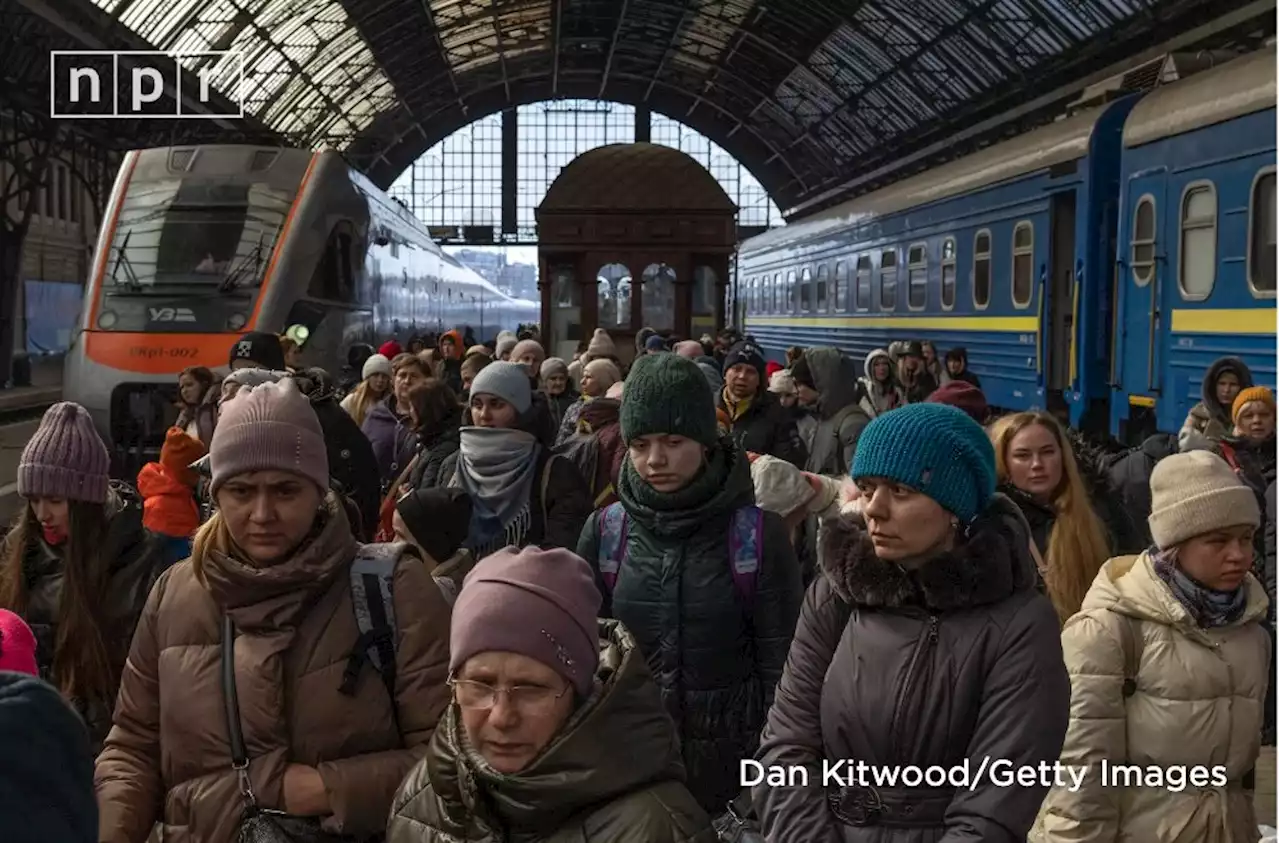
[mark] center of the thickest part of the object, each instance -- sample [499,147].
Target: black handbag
[738,824]
[260,825]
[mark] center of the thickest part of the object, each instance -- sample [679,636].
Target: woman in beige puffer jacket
[1168,662]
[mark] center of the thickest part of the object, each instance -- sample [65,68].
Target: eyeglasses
[532,700]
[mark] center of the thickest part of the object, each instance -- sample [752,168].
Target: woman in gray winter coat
[923,643]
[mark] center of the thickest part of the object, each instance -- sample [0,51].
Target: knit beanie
[689,348]
[478,349]
[963,396]
[745,352]
[780,487]
[575,372]
[537,603]
[604,372]
[504,347]
[802,374]
[46,766]
[65,458]
[667,393]
[506,380]
[601,344]
[1196,493]
[378,364]
[17,645]
[268,428]
[1247,396]
[438,519]
[782,383]
[529,347]
[261,348]
[935,449]
[179,451]
[390,349]
[655,343]
[506,335]
[553,366]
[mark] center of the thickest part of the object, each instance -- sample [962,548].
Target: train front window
[1142,258]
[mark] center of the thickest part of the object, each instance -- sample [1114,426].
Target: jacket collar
[990,563]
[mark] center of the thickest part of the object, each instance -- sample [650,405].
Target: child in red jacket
[168,494]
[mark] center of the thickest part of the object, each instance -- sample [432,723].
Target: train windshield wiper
[249,263]
[122,259]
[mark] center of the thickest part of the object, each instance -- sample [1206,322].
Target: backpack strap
[372,572]
[746,546]
[611,545]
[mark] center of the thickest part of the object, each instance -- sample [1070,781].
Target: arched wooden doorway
[631,236]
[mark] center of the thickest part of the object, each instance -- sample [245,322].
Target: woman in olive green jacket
[558,738]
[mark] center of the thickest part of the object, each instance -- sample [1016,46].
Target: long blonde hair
[363,400]
[1078,542]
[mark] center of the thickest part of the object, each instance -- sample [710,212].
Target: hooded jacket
[168,757]
[716,663]
[168,504]
[874,397]
[576,791]
[135,559]
[957,661]
[1197,698]
[1209,421]
[840,419]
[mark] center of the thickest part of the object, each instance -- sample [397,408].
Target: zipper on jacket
[923,643]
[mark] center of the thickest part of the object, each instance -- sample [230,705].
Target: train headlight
[107,319]
[236,321]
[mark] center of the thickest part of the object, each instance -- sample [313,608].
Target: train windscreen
[190,256]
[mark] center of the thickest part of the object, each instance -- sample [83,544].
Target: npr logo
[104,84]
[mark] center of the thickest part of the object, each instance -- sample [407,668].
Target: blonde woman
[1037,468]
[375,386]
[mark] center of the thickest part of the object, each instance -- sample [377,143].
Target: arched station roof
[808,94]
[636,177]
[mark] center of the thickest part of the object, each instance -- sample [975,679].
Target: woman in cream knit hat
[1168,661]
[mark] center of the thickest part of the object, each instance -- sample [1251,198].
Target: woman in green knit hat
[706,581]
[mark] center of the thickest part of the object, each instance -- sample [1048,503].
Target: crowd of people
[465,591]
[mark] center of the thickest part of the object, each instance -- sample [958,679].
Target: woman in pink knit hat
[315,663]
[77,562]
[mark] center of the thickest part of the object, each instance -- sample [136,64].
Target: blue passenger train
[1094,266]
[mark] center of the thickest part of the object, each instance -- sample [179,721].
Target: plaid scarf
[1208,608]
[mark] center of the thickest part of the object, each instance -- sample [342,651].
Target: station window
[888,279]
[948,273]
[842,286]
[864,283]
[917,276]
[806,290]
[1262,235]
[1142,245]
[1023,255]
[1198,249]
[823,297]
[982,269]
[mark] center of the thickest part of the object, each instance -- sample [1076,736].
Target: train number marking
[171,314]
[152,353]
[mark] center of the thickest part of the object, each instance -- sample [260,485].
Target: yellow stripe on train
[1014,324]
[1245,320]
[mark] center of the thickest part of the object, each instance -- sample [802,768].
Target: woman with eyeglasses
[557,732]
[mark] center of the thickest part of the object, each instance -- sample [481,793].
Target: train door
[1141,279]
[1060,295]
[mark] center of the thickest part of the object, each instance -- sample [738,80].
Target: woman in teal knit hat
[707,582]
[924,643]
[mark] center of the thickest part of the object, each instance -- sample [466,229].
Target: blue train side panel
[1196,269]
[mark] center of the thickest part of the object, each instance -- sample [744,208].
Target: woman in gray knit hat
[77,562]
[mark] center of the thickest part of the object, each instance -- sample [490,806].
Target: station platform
[21,409]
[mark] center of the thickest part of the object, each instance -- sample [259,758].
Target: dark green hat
[667,393]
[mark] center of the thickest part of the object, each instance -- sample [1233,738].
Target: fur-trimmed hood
[991,562]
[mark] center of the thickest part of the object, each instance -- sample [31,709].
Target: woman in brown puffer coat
[328,737]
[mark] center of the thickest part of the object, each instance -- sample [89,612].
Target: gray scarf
[1208,608]
[496,467]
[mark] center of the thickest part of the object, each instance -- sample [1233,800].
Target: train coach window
[982,269]
[1142,247]
[1262,235]
[863,292]
[888,279]
[1198,247]
[779,294]
[806,290]
[792,294]
[842,286]
[948,273]
[1023,254]
[821,300]
[917,276]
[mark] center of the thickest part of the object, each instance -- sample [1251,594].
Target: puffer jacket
[135,559]
[434,448]
[957,661]
[716,662]
[168,757]
[576,791]
[874,397]
[1197,699]
[1208,421]
[392,438]
[766,427]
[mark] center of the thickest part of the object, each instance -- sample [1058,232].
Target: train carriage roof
[1234,89]
[1065,140]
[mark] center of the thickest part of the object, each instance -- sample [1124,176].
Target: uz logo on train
[172,314]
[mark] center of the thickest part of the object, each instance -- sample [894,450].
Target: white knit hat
[782,383]
[1196,493]
[780,486]
[377,364]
